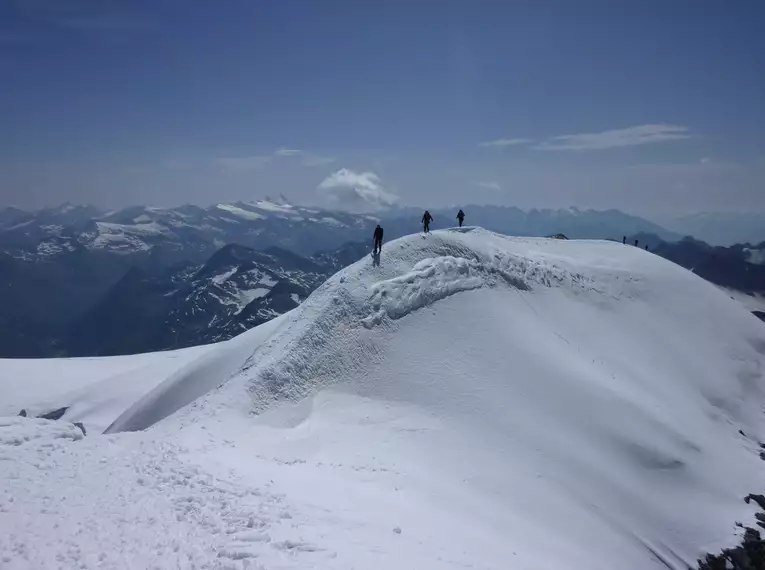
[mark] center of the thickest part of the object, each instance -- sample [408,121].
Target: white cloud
[490,185]
[501,143]
[705,160]
[356,191]
[287,152]
[244,162]
[638,135]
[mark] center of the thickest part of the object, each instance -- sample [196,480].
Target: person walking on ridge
[378,236]
[460,217]
[426,219]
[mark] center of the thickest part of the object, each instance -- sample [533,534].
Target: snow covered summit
[473,400]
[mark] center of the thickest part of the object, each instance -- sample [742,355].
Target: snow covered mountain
[474,400]
[185,232]
[192,232]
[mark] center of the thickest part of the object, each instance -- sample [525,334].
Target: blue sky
[648,106]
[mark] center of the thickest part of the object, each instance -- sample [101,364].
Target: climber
[426,219]
[378,236]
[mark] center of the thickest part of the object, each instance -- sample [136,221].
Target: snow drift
[473,400]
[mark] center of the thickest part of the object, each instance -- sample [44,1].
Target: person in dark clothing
[378,235]
[636,243]
[460,217]
[426,219]
[624,239]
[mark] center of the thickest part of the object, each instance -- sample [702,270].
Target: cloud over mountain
[356,191]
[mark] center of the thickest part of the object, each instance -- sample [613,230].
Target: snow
[474,400]
[753,302]
[240,212]
[272,206]
[285,210]
[223,277]
[755,256]
[239,298]
[193,380]
[66,208]
[51,248]
[268,281]
[247,296]
[149,229]
[295,297]
[332,221]
[96,390]
[123,237]
[19,225]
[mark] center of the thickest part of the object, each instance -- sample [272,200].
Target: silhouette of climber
[646,247]
[460,217]
[636,243]
[426,219]
[378,236]
[624,239]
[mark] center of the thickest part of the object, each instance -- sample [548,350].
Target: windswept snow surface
[475,401]
[95,390]
[753,302]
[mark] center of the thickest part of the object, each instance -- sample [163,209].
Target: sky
[646,106]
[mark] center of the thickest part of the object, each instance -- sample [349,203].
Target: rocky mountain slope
[236,289]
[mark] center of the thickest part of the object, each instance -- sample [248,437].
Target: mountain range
[177,277]
[720,228]
[168,235]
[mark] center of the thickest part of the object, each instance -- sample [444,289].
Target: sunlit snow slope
[473,401]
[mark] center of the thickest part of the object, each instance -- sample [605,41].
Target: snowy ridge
[433,279]
[321,340]
[473,400]
[95,390]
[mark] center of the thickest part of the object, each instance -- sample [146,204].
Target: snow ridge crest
[331,336]
[433,279]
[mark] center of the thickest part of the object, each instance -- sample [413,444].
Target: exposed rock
[55,414]
[759,499]
[749,556]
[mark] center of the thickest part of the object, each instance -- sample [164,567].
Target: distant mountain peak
[230,254]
